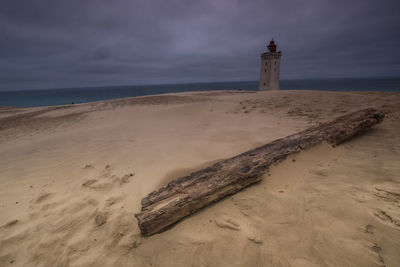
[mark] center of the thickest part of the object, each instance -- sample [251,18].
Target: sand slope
[72,177]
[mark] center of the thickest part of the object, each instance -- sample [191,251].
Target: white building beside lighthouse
[270,65]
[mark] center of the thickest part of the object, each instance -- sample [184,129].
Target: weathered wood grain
[161,209]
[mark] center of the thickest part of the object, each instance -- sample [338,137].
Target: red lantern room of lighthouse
[272,46]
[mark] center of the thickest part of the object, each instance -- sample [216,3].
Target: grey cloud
[50,44]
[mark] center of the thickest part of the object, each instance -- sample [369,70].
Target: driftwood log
[161,209]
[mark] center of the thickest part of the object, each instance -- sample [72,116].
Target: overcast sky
[74,43]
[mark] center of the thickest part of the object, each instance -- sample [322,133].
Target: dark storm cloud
[49,43]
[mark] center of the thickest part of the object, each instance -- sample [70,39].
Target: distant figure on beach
[270,65]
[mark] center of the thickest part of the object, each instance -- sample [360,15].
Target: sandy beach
[72,178]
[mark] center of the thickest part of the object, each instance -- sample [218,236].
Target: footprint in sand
[369,229]
[255,238]
[10,223]
[100,219]
[88,183]
[320,171]
[377,249]
[125,179]
[226,222]
[122,180]
[92,184]
[87,166]
[42,197]
[112,200]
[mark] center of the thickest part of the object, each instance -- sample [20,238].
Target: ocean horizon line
[200,82]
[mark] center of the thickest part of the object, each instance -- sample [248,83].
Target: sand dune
[71,178]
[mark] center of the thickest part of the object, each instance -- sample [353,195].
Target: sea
[65,96]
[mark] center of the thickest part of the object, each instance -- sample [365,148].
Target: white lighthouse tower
[270,65]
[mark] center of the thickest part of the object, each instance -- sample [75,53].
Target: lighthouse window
[275,63]
[264,84]
[265,70]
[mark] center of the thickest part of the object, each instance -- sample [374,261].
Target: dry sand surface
[72,177]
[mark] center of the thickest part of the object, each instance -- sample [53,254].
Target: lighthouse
[270,65]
